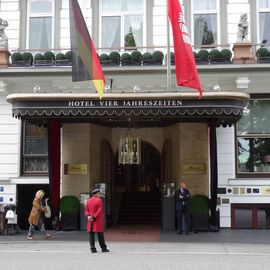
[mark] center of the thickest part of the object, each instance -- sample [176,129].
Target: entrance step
[140,208]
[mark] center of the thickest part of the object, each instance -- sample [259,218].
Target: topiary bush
[203,54]
[39,56]
[195,54]
[147,56]
[136,56]
[214,55]
[226,54]
[114,56]
[262,52]
[69,205]
[199,204]
[27,56]
[60,56]
[49,56]
[158,55]
[16,57]
[104,57]
[125,57]
[68,55]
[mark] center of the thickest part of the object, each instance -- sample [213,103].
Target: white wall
[9,141]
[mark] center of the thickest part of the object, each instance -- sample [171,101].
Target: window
[40,18]
[253,139]
[264,21]
[205,22]
[35,150]
[123,23]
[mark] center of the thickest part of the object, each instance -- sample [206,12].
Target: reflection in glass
[36,164]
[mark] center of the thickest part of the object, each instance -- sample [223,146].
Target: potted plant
[136,57]
[214,55]
[38,59]
[158,57]
[104,59]
[147,58]
[68,56]
[226,54]
[263,55]
[69,207]
[199,208]
[60,60]
[172,58]
[203,57]
[115,58]
[16,59]
[125,59]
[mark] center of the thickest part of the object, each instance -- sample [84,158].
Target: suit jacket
[94,207]
[182,202]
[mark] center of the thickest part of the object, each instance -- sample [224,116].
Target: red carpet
[133,233]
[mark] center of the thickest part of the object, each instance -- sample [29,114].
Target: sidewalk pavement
[224,250]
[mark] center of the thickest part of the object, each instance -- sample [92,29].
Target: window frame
[253,135]
[206,12]
[39,15]
[258,11]
[23,156]
[122,15]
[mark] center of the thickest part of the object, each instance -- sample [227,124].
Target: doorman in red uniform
[94,213]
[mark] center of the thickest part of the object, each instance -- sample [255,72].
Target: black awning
[144,109]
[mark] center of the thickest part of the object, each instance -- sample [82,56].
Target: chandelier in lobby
[129,151]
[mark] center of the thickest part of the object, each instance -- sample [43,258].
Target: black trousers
[183,217]
[101,240]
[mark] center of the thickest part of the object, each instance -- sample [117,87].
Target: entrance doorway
[143,177]
[140,188]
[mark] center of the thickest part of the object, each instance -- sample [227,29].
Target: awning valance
[145,109]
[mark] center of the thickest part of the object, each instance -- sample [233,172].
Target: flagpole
[169,77]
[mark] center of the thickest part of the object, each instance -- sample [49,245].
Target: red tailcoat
[94,207]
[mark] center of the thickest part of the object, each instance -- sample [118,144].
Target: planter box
[220,61]
[200,222]
[200,61]
[263,59]
[131,63]
[63,62]
[21,63]
[109,63]
[69,222]
[152,62]
[43,62]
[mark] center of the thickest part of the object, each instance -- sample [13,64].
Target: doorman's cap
[95,191]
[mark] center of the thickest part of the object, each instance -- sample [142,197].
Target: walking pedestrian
[36,217]
[94,213]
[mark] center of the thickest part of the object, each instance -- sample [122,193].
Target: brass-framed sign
[76,169]
[265,190]
[193,168]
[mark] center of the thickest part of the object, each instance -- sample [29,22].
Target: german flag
[85,62]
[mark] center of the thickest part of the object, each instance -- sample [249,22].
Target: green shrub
[49,55]
[199,204]
[262,52]
[203,54]
[147,56]
[60,56]
[158,55]
[214,55]
[226,54]
[39,56]
[69,205]
[195,54]
[16,57]
[136,56]
[68,55]
[27,56]
[104,57]
[125,57]
[114,56]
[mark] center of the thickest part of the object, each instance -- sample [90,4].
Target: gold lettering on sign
[75,169]
[266,190]
[193,168]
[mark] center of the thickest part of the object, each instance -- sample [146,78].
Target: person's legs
[186,220]
[179,221]
[30,232]
[101,241]
[41,226]
[92,242]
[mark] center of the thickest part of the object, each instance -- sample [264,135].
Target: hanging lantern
[129,151]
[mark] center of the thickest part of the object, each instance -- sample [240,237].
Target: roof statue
[3,36]
[242,28]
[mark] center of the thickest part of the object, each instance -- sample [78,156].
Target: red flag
[85,63]
[186,71]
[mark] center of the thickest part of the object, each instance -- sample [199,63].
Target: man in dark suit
[182,197]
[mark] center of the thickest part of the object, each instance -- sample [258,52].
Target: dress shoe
[179,232]
[93,250]
[105,250]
